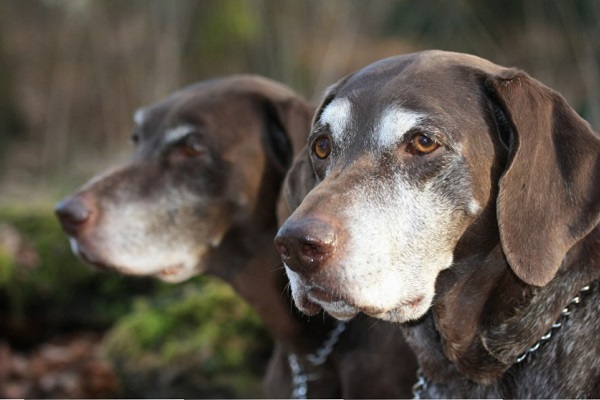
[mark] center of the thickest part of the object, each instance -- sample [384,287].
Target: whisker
[279,266]
[375,322]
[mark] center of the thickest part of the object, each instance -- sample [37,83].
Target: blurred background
[73,72]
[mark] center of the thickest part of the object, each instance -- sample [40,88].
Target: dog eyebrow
[139,117]
[395,123]
[177,133]
[337,115]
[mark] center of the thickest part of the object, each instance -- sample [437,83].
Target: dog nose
[73,214]
[306,245]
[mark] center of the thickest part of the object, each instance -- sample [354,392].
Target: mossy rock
[201,341]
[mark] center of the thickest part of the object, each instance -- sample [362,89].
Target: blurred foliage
[202,341]
[11,122]
[74,72]
[227,24]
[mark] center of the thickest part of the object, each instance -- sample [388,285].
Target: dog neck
[484,318]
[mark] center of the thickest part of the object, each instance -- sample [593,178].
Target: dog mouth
[170,271]
[173,273]
[410,309]
[320,295]
[317,299]
[341,307]
[87,257]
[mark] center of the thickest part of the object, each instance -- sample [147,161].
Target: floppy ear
[549,194]
[287,127]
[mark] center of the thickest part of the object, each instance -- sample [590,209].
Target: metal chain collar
[563,316]
[300,377]
[421,385]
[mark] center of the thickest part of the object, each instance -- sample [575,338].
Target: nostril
[315,248]
[283,250]
[72,214]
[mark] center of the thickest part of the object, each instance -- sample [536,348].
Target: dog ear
[287,127]
[549,193]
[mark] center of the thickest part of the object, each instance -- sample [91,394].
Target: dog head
[422,160]
[208,163]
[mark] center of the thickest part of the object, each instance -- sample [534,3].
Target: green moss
[7,267]
[205,329]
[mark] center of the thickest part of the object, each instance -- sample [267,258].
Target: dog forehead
[387,125]
[385,100]
[416,68]
[427,80]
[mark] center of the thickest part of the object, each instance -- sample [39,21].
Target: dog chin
[344,309]
[404,313]
[312,300]
[337,309]
[176,274]
[333,305]
[410,310]
[340,310]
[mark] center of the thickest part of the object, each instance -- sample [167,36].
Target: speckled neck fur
[483,364]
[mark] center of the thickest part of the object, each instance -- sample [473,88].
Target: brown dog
[461,199]
[200,196]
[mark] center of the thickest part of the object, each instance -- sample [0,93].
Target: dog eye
[421,144]
[322,147]
[192,148]
[135,138]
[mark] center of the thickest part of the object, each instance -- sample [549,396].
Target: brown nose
[307,244]
[73,214]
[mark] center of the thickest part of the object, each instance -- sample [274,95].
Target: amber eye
[193,148]
[322,147]
[421,144]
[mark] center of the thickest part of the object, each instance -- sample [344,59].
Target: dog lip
[94,262]
[308,306]
[409,309]
[413,302]
[87,256]
[321,295]
[101,265]
[170,270]
[335,306]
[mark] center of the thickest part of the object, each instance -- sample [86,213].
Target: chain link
[300,377]
[420,386]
